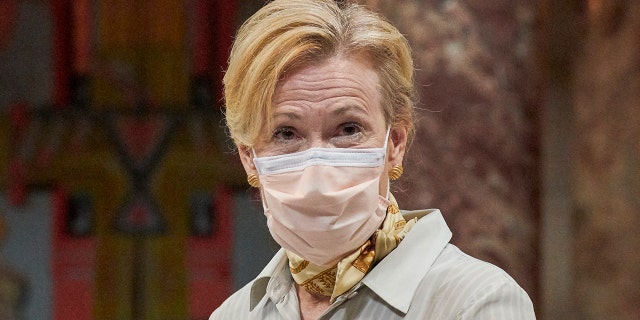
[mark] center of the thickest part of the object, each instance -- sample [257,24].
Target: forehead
[346,77]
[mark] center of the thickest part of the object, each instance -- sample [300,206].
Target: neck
[312,304]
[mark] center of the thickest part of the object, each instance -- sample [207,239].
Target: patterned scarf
[336,280]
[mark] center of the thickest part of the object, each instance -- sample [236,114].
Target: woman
[319,103]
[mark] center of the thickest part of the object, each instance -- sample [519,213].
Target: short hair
[289,33]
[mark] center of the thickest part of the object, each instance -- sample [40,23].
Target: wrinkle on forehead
[336,77]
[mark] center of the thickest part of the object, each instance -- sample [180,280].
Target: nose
[316,140]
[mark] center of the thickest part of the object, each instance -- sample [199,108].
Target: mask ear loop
[388,189]
[262,199]
[386,141]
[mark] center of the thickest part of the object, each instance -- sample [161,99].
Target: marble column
[606,162]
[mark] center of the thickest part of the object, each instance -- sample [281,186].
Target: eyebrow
[292,115]
[349,108]
[338,111]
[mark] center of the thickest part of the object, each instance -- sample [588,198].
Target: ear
[246,157]
[397,146]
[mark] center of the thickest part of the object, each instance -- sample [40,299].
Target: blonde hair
[289,33]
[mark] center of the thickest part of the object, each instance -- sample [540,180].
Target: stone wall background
[529,140]
[590,70]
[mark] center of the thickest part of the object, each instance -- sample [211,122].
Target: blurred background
[121,196]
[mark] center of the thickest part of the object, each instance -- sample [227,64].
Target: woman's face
[335,104]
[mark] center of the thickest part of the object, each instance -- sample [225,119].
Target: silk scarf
[338,279]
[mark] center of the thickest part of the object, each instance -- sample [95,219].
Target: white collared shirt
[425,277]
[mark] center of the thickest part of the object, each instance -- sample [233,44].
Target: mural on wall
[13,284]
[132,147]
[8,16]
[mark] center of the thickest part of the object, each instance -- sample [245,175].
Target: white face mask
[323,203]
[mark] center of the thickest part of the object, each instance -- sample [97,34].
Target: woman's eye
[284,133]
[349,129]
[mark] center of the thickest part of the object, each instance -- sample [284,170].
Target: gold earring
[253,180]
[396,172]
